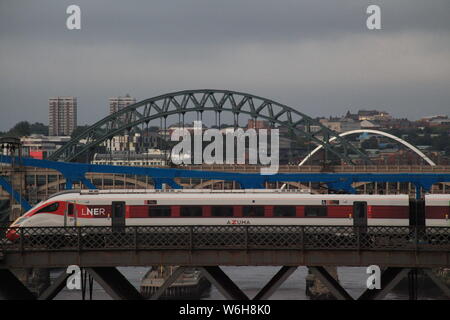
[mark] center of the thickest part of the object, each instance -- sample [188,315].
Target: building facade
[341,125]
[152,158]
[40,147]
[62,116]
[118,103]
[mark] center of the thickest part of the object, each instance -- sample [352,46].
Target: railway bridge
[400,251]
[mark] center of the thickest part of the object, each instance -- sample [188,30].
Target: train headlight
[11,234]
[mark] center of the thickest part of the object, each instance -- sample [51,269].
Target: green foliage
[24,128]
[20,129]
[39,128]
[371,143]
[79,130]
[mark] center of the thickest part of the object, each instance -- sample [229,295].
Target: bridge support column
[12,288]
[223,283]
[412,284]
[389,279]
[275,283]
[114,283]
[332,284]
[55,287]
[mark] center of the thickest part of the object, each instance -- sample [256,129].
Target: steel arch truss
[376,132]
[200,101]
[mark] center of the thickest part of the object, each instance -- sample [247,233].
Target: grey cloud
[317,56]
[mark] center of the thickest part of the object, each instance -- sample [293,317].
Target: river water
[252,279]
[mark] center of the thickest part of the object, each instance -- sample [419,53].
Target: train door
[360,215]
[118,216]
[70,219]
[417,213]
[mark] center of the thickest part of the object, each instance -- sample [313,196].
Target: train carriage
[122,208]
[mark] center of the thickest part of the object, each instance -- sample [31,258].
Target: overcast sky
[316,56]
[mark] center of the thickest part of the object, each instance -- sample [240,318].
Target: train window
[222,211]
[191,211]
[50,208]
[284,211]
[159,211]
[253,211]
[315,211]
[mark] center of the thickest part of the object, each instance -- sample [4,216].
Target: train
[231,207]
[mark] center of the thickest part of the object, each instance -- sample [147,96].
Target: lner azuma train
[231,207]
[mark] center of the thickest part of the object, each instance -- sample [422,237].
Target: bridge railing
[229,237]
[295,168]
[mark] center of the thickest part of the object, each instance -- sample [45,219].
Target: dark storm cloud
[314,55]
[203,21]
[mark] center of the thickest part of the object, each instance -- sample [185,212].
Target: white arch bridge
[378,132]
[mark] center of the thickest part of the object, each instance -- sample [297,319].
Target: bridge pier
[330,283]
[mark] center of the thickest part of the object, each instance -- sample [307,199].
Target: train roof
[258,193]
[445,196]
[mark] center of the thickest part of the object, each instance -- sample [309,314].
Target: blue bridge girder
[76,172]
[16,195]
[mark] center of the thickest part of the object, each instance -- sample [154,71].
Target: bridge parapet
[241,245]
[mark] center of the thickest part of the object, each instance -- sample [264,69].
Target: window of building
[253,211]
[159,211]
[315,211]
[284,211]
[222,211]
[191,211]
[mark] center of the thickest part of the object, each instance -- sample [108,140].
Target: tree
[39,128]
[371,143]
[79,130]
[153,129]
[20,129]
[441,142]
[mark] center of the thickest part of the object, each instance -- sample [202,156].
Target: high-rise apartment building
[118,103]
[62,116]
